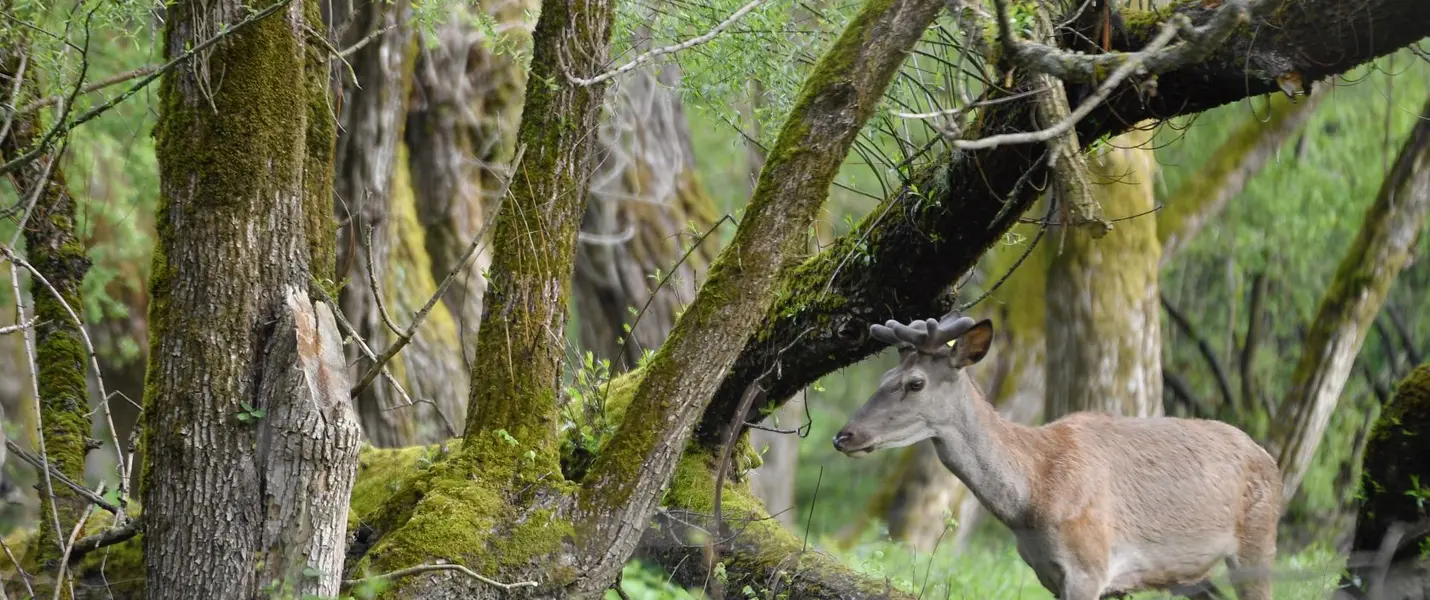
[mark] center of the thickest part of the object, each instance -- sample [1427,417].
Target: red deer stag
[1101,506]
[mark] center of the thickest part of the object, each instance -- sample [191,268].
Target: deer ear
[972,346]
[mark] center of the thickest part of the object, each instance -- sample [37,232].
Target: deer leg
[1250,568]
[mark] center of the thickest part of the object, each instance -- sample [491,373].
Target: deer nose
[840,439]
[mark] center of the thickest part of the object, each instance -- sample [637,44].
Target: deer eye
[915,385]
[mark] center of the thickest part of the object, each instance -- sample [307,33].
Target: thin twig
[1132,64]
[8,329]
[24,577]
[690,43]
[346,52]
[63,126]
[93,362]
[411,331]
[69,546]
[93,87]
[419,569]
[377,289]
[51,470]
[28,341]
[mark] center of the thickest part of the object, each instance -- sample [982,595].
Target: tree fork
[837,98]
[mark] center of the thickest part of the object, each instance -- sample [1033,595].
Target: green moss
[319,147]
[233,143]
[1395,481]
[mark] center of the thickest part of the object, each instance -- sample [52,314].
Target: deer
[1100,506]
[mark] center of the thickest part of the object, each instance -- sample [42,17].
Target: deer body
[1100,506]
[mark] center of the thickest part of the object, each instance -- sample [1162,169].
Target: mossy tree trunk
[1393,524]
[461,130]
[1350,304]
[383,243]
[1103,319]
[53,248]
[250,441]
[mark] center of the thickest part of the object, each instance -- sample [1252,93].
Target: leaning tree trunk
[1103,318]
[461,132]
[56,252]
[250,442]
[1349,306]
[1388,558]
[381,251]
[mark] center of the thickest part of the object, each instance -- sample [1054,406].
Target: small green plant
[249,414]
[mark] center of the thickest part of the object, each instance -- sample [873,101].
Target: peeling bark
[1350,304]
[243,215]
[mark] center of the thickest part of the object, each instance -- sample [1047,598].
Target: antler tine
[883,334]
[951,329]
[915,337]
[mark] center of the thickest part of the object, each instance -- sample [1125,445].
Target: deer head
[921,395]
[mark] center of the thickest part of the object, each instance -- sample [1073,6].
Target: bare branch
[8,329]
[457,267]
[690,43]
[45,467]
[108,537]
[377,289]
[346,52]
[419,569]
[1132,64]
[69,546]
[93,87]
[1223,384]
[362,345]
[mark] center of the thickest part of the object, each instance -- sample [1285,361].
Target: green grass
[990,568]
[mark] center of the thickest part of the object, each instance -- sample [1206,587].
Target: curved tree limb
[968,199]
[838,97]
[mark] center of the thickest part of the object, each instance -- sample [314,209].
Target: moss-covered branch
[754,549]
[838,97]
[1350,304]
[517,365]
[899,262]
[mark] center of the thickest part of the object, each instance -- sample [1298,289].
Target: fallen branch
[419,569]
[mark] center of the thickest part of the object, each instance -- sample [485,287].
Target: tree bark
[383,245]
[1350,303]
[56,252]
[235,433]
[1392,524]
[461,134]
[1104,326]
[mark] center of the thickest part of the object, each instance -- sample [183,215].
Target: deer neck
[988,454]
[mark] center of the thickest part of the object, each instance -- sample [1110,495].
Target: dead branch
[419,569]
[93,87]
[690,43]
[108,537]
[52,471]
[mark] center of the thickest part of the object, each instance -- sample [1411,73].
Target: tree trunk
[461,133]
[56,252]
[246,411]
[1350,304]
[647,208]
[383,243]
[1104,325]
[1392,526]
